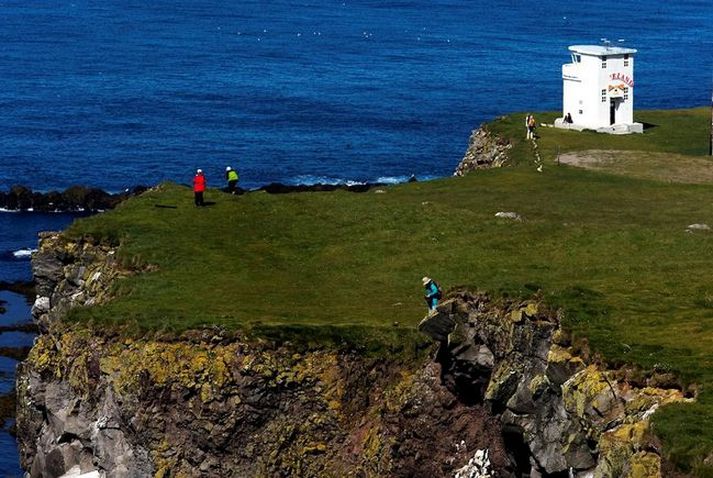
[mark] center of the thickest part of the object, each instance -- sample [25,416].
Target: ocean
[115,94]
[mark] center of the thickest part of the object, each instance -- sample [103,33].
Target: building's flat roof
[601,50]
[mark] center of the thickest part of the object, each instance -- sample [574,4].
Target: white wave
[309,180]
[23,253]
[392,179]
[403,179]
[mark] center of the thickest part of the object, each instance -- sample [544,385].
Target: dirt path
[667,167]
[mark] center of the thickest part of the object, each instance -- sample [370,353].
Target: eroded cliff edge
[506,378]
[208,403]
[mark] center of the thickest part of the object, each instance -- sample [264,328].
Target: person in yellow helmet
[232,176]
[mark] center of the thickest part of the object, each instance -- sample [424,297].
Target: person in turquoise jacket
[432,292]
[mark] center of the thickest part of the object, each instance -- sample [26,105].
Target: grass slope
[612,250]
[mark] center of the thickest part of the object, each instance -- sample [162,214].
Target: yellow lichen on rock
[531,309]
[516,315]
[587,389]
[621,450]
[559,354]
[643,465]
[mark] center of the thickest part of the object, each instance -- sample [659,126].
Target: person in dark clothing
[432,292]
[231,176]
[198,187]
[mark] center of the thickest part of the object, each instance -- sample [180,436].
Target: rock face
[485,150]
[559,413]
[208,404]
[69,274]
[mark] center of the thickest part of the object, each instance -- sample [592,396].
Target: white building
[598,90]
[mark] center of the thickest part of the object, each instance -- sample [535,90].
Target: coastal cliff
[506,379]
[208,403]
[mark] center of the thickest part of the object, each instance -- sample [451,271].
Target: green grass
[344,267]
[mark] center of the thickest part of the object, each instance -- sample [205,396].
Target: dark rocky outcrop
[279,188]
[561,414]
[75,198]
[485,150]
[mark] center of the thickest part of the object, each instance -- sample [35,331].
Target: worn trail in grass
[612,250]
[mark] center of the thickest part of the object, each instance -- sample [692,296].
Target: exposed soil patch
[668,167]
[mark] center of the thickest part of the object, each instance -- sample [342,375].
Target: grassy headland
[612,250]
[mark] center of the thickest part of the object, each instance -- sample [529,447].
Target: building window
[626,62]
[626,89]
[604,62]
[626,97]
[604,96]
[581,112]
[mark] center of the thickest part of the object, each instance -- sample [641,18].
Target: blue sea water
[114,94]
[117,93]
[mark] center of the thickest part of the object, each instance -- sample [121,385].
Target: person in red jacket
[199,187]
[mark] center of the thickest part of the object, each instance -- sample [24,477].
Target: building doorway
[613,107]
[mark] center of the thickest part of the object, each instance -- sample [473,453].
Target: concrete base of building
[612,129]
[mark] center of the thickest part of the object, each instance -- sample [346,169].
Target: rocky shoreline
[14,352]
[73,199]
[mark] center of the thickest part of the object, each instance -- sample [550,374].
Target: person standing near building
[199,187]
[432,292]
[231,176]
[531,127]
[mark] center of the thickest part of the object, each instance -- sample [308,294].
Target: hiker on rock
[432,292]
[199,187]
[231,176]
